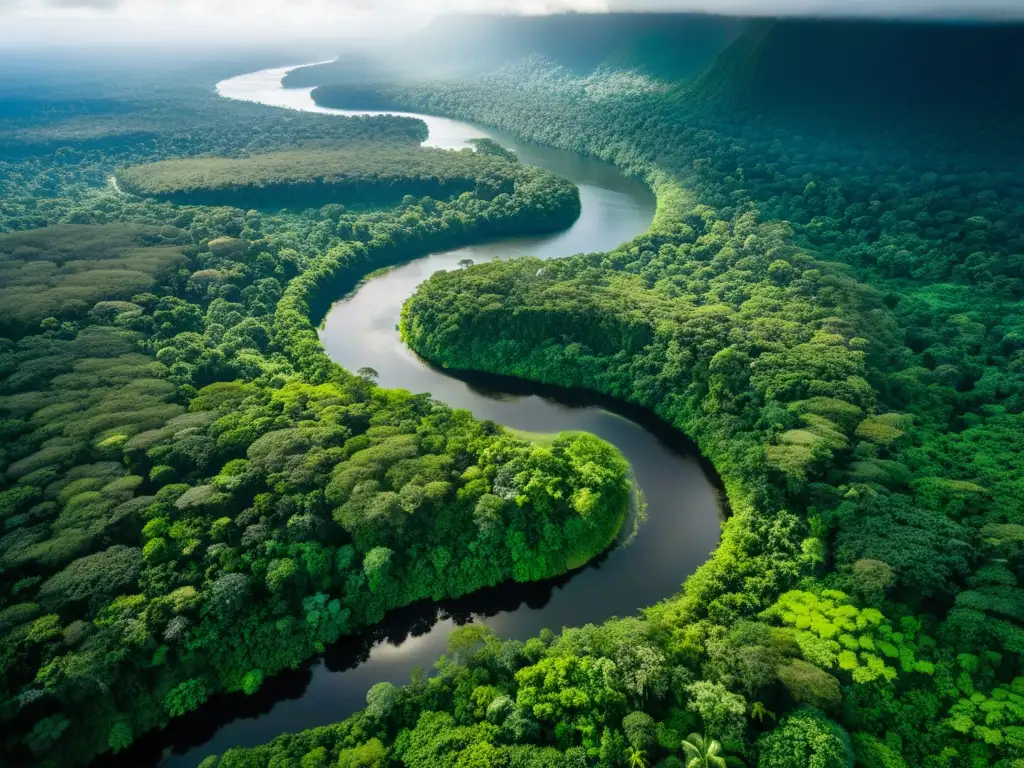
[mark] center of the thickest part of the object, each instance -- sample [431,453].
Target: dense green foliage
[62,272]
[829,303]
[193,496]
[57,150]
[365,175]
[159,119]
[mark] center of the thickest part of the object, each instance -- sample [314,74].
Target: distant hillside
[671,45]
[351,67]
[812,68]
[853,66]
[667,46]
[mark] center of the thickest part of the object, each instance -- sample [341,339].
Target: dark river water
[683,513]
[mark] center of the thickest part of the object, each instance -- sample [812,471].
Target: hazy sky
[52,21]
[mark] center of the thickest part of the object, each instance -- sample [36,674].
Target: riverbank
[360,331]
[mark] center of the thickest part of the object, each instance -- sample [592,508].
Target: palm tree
[758,711]
[637,757]
[702,752]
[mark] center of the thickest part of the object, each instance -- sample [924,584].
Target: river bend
[684,510]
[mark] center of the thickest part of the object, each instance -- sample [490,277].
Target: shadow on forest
[399,626]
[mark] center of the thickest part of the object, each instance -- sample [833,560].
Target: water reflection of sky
[265,88]
[683,525]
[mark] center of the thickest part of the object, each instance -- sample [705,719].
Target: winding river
[684,510]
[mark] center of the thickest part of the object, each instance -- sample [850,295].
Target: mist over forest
[599,385]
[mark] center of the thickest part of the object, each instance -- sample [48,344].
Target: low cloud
[881,8]
[39,22]
[886,8]
[95,4]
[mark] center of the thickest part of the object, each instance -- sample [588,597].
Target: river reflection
[683,504]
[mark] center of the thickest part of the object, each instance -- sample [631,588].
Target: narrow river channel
[684,510]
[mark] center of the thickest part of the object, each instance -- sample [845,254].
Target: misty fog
[226,24]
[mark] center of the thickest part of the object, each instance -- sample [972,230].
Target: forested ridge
[829,302]
[365,175]
[669,45]
[193,496]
